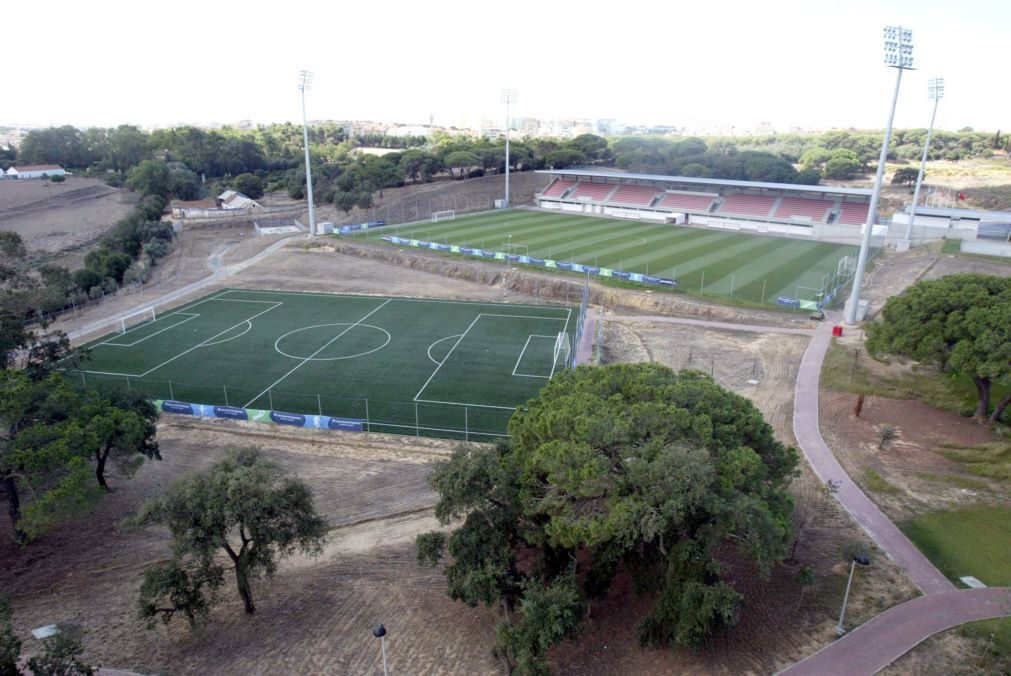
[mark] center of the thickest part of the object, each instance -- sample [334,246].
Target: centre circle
[331,342]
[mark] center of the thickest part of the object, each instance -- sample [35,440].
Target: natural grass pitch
[753,269]
[429,367]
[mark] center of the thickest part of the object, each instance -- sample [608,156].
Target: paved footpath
[729,326]
[805,427]
[882,640]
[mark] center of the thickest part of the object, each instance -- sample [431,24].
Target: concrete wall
[987,247]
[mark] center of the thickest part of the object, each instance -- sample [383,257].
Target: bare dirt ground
[61,218]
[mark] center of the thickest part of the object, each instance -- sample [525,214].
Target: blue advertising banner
[177,407]
[441,247]
[513,258]
[295,419]
[563,266]
[466,250]
[667,281]
[620,274]
[422,244]
[636,277]
[525,260]
[577,267]
[231,412]
[535,261]
[345,424]
[591,269]
[789,302]
[488,254]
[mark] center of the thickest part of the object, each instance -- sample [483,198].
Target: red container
[837,330]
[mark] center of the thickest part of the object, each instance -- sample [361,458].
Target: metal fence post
[319,402]
[368,424]
[171,394]
[128,384]
[763,292]
[417,423]
[702,284]
[466,424]
[270,399]
[83,381]
[225,388]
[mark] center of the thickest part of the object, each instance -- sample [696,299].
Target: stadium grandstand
[822,212]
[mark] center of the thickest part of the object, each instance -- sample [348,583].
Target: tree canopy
[959,323]
[244,506]
[630,467]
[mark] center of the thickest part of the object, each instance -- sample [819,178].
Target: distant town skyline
[781,65]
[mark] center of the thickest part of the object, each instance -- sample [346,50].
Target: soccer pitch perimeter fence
[407,366]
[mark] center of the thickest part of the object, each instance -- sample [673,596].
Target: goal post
[443,216]
[516,249]
[134,319]
[562,351]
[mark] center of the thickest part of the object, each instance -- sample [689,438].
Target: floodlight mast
[935,91]
[304,83]
[898,55]
[508,97]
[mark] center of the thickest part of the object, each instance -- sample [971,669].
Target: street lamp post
[863,561]
[380,633]
[935,91]
[898,55]
[304,83]
[508,97]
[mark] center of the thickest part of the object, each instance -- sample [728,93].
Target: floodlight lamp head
[508,96]
[305,80]
[935,88]
[898,47]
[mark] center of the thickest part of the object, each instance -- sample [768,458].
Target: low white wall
[987,247]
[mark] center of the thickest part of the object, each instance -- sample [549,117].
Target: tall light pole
[863,561]
[935,91]
[508,97]
[304,83]
[898,55]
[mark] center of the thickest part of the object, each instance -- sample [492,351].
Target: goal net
[846,266]
[518,249]
[127,322]
[443,216]
[562,351]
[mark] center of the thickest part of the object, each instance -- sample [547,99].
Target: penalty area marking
[520,358]
[188,316]
[318,326]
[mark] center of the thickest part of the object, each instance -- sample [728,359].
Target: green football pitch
[753,269]
[408,366]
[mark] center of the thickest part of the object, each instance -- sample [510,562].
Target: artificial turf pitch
[750,268]
[409,366]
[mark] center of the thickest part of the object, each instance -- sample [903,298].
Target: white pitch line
[461,403]
[310,357]
[446,358]
[216,335]
[402,300]
[520,358]
[138,342]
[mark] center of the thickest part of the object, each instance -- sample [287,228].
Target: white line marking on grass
[463,403]
[399,299]
[204,343]
[549,319]
[104,373]
[317,326]
[520,358]
[434,361]
[446,358]
[309,358]
[249,327]
[188,315]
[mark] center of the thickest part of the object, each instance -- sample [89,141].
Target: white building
[36,171]
[230,199]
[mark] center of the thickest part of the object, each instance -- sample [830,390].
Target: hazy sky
[806,63]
